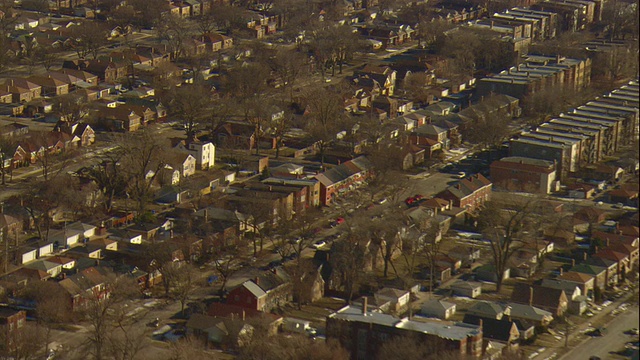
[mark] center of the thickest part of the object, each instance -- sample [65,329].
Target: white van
[298,326]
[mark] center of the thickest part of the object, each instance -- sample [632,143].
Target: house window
[236,298]
[248,300]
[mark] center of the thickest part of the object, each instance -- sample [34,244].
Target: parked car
[461,175]
[319,244]
[633,331]
[597,332]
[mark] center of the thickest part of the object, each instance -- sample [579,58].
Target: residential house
[399,299]
[343,178]
[624,264]
[466,288]
[50,267]
[584,281]
[487,272]
[438,308]
[553,300]
[51,86]
[362,332]
[22,90]
[529,313]
[264,293]
[119,119]
[599,274]
[503,330]
[203,151]
[470,192]
[626,194]
[85,286]
[125,236]
[222,310]
[577,301]
[224,332]
[489,310]
[426,135]
[151,230]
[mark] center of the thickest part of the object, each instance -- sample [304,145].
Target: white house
[203,151]
[438,308]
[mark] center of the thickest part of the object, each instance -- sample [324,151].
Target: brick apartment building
[524,174]
[11,321]
[363,332]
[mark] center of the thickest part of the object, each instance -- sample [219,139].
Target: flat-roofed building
[524,174]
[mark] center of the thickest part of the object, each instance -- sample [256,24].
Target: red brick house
[624,263]
[264,293]
[468,193]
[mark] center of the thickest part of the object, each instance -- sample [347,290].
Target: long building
[584,135]
[362,332]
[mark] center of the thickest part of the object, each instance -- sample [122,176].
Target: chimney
[595,249]
[1,207]
[243,315]
[492,23]
[481,324]
[561,271]
[256,280]
[530,295]
[558,59]
[450,204]
[608,240]
[573,262]
[365,304]
[206,214]
[584,256]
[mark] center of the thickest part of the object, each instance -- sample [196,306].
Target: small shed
[398,298]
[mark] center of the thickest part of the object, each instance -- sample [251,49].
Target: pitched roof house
[552,300]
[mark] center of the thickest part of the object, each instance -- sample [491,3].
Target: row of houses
[537,73]
[584,135]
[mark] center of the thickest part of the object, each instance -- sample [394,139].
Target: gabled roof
[254,289]
[486,309]
[438,304]
[611,255]
[492,328]
[576,277]
[528,312]
[542,296]
[391,292]
[469,285]
[588,269]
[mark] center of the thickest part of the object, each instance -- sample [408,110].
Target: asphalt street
[613,340]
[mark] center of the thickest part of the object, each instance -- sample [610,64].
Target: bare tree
[143,159]
[348,259]
[101,311]
[89,37]
[507,226]
[109,176]
[190,104]
[326,115]
[184,284]
[176,31]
